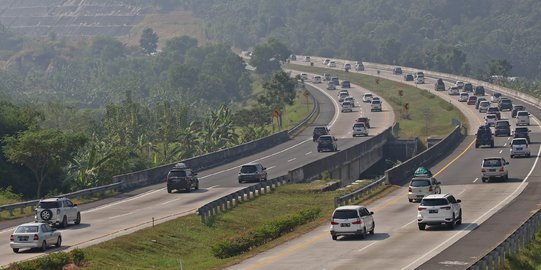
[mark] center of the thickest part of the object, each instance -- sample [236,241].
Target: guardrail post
[203,213]
[490,262]
[501,254]
[483,264]
[11,212]
[22,209]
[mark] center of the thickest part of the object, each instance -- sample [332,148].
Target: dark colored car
[502,127]
[335,80]
[318,131]
[327,143]
[397,71]
[505,104]
[468,87]
[479,101]
[364,120]
[484,137]
[517,108]
[182,178]
[439,85]
[479,90]
[346,84]
[252,172]
[522,132]
[495,111]
[408,77]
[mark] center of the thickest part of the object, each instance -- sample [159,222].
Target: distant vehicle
[181,177]
[495,111]
[335,80]
[463,97]
[331,85]
[347,106]
[318,131]
[346,84]
[479,99]
[326,61]
[522,132]
[519,147]
[484,136]
[494,167]
[316,79]
[468,87]
[252,172]
[422,186]
[326,76]
[347,66]
[343,91]
[453,91]
[483,106]
[502,127]
[327,143]
[375,106]
[342,96]
[307,59]
[331,64]
[408,77]
[367,97]
[439,85]
[364,120]
[360,129]
[439,209]
[517,108]
[490,119]
[479,90]
[304,76]
[523,118]
[420,77]
[293,57]
[351,100]
[359,67]
[505,104]
[352,220]
[34,235]
[471,100]
[495,98]
[459,84]
[58,211]
[397,71]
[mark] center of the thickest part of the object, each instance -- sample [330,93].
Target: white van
[523,118]
[347,106]
[375,106]
[316,79]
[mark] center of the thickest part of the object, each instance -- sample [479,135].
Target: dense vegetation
[447,35]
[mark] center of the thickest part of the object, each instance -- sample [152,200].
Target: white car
[463,97]
[34,235]
[350,99]
[347,106]
[353,220]
[316,79]
[453,91]
[307,59]
[519,147]
[483,106]
[375,106]
[359,67]
[420,78]
[523,118]
[422,186]
[459,84]
[490,119]
[494,167]
[342,96]
[367,97]
[57,211]
[343,91]
[304,76]
[359,129]
[331,64]
[439,209]
[495,98]
[326,61]
[347,66]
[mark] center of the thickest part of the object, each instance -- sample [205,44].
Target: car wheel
[483,179]
[459,221]
[410,200]
[451,225]
[189,189]
[16,250]
[43,246]
[373,228]
[528,155]
[512,156]
[169,190]
[46,214]
[492,145]
[422,226]
[64,222]
[476,146]
[334,237]
[58,241]
[197,185]
[363,233]
[506,177]
[78,219]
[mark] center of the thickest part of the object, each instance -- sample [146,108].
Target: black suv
[346,84]
[505,104]
[502,127]
[397,71]
[468,87]
[439,85]
[327,143]
[318,131]
[522,132]
[181,178]
[484,137]
[479,91]
[516,109]
[408,77]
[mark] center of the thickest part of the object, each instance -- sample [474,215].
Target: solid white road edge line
[366,246]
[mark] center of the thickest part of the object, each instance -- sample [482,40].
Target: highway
[398,243]
[136,210]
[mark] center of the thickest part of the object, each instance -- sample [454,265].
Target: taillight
[421,208]
[446,207]
[334,222]
[430,189]
[358,221]
[11,238]
[501,169]
[36,237]
[483,170]
[409,189]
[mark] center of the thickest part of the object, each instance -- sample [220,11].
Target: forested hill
[439,34]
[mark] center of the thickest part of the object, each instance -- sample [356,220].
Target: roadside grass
[528,258]
[428,115]
[186,239]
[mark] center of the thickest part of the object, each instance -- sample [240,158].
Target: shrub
[53,261]
[77,256]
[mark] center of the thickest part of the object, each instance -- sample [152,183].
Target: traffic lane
[396,233]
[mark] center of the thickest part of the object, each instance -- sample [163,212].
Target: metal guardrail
[355,195]
[495,259]
[230,201]
[315,111]
[77,194]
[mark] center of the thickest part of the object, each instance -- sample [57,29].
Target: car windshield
[484,103]
[519,142]
[492,163]
[521,130]
[324,139]
[367,95]
[506,101]
[434,202]
[248,169]
[502,124]
[320,130]
[342,95]
[46,205]
[345,214]
[491,116]
[497,95]
[375,102]
[177,174]
[27,229]
[522,113]
[359,125]
[420,183]
[493,109]
[518,108]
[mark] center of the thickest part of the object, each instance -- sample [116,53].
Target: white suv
[57,211]
[439,209]
[523,118]
[367,97]
[519,147]
[494,167]
[353,220]
[360,129]
[422,186]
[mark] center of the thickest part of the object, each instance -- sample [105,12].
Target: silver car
[422,186]
[34,235]
[494,167]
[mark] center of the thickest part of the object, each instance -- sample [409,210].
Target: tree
[498,68]
[149,41]
[42,151]
[280,90]
[266,57]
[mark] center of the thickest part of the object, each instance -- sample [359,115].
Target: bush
[53,261]
[77,256]
[263,234]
